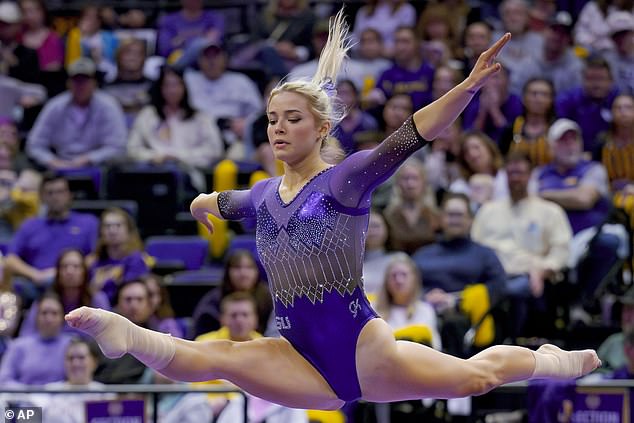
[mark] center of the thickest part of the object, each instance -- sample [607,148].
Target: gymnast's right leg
[267,368]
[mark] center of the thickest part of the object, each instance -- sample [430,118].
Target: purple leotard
[312,249]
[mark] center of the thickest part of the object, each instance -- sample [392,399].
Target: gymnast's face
[294,133]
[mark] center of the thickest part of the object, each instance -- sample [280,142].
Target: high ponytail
[321,91]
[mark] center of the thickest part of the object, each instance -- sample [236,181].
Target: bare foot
[108,329]
[553,362]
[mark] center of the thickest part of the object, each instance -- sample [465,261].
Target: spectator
[556,62]
[239,321]
[611,351]
[592,30]
[38,359]
[615,147]
[627,370]
[581,188]
[477,38]
[589,104]
[71,285]
[241,275]
[529,235]
[119,255]
[286,27]
[36,246]
[399,300]
[17,94]
[356,120]
[440,159]
[79,128]
[411,213]
[162,318]
[38,36]
[11,157]
[89,40]
[369,62]
[170,132]
[130,87]
[435,24]
[493,107]
[10,308]
[229,96]
[621,59]
[444,281]
[527,133]
[80,362]
[385,17]
[479,154]
[524,43]
[376,258]
[177,31]
[16,60]
[445,78]
[133,303]
[409,74]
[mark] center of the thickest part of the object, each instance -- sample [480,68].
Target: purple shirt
[593,116]
[39,241]
[176,32]
[29,325]
[347,139]
[33,360]
[584,173]
[398,80]
[129,268]
[511,109]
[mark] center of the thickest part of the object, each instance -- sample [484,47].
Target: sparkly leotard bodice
[315,243]
[312,247]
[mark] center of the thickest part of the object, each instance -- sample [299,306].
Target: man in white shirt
[531,236]
[229,96]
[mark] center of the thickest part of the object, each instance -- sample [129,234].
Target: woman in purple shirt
[311,225]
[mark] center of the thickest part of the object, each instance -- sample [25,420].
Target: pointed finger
[495,49]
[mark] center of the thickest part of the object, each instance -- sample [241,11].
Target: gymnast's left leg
[393,371]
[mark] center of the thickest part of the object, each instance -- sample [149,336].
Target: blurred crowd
[514,225]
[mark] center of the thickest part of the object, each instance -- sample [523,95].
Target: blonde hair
[320,91]
[428,199]
[384,300]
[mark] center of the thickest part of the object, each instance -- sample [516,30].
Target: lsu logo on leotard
[354,307]
[282,323]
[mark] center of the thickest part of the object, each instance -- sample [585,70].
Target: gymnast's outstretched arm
[431,120]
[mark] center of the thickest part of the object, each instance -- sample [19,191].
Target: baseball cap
[82,66]
[560,127]
[620,21]
[10,12]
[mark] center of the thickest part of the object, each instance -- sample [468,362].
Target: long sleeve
[10,364]
[112,132]
[138,147]
[205,143]
[559,236]
[355,178]
[236,204]
[38,144]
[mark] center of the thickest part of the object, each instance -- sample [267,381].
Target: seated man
[78,128]
[133,303]
[581,188]
[446,281]
[531,236]
[611,350]
[37,244]
[239,320]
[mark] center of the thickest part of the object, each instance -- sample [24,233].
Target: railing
[153,390]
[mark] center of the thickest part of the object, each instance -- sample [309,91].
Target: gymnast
[311,225]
